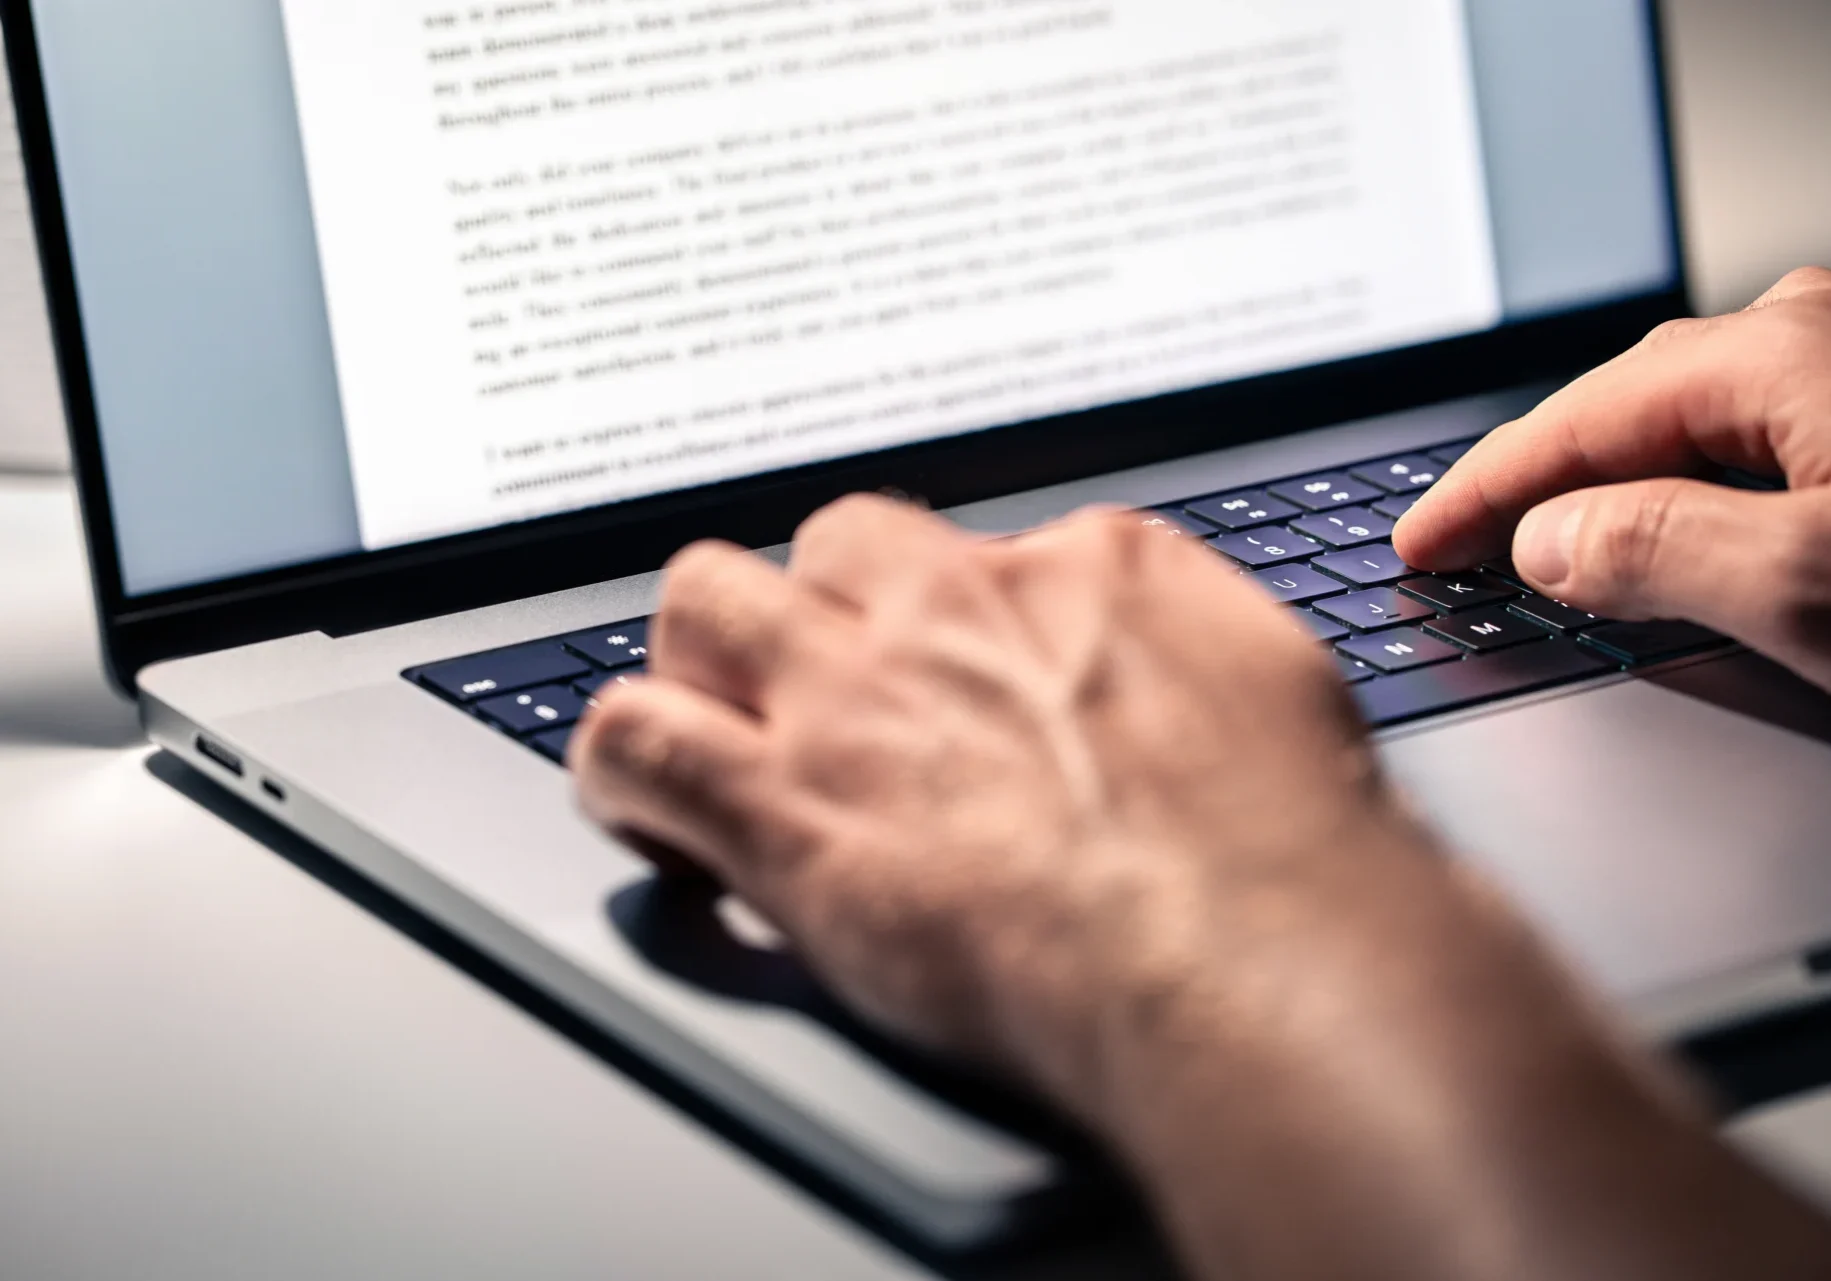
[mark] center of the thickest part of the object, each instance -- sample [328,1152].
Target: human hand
[1592,488]
[995,791]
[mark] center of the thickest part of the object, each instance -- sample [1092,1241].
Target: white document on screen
[577,251]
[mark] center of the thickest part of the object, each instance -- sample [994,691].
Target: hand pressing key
[1595,491]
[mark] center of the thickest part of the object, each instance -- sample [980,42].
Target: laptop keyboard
[1409,645]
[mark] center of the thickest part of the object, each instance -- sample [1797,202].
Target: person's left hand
[994,791]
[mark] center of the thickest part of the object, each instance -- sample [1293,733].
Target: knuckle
[844,514]
[694,555]
[1091,527]
[692,567]
[1117,522]
[1080,549]
[951,574]
[1124,532]
[1673,331]
[1131,531]
[1806,280]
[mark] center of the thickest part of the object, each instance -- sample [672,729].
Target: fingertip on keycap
[1412,537]
[1425,540]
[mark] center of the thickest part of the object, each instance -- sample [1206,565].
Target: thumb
[1752,565]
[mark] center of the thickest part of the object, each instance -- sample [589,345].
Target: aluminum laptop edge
[280,528]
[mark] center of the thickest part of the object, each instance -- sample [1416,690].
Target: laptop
[404,340]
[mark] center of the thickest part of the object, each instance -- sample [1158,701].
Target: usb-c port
[220,755]
[274,790]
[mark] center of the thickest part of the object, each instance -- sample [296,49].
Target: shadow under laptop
[677,928]
[54,693]
[65,706]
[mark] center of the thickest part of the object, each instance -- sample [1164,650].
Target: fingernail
[1546,543]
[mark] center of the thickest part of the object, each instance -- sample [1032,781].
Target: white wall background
[1753,79]
[31,411]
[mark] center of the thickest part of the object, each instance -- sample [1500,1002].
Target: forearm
[1417,1075]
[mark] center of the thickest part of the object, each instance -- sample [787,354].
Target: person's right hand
[1593,489]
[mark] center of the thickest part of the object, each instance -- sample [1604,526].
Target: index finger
[1694,393]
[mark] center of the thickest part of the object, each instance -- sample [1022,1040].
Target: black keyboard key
[1326,630]
[1235,512]
[552,744]
[1409,475]
[1736,478]
[465,680]
[1452,592]
[1555,615]
[549,707]
[1177,523]
[1502,567]
[1486,630]
[1400,651]
[1265,547]
[1451,686]
[1352,672]
[1450,455]
[1375,565]
[1371,611]
[620,645]
[1325,493]
[588,688]
[1348,527]
[1640,643]
[1396,506]
[1296,584]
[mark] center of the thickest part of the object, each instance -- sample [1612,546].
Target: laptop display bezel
[373,589]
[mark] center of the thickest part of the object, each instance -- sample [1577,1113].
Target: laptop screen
[356,274]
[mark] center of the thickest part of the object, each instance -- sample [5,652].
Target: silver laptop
[403,341]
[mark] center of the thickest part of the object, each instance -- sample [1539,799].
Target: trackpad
[1665,830]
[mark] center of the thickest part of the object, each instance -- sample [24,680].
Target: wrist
[1098,983]
[1360,1038]
[1279,956]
